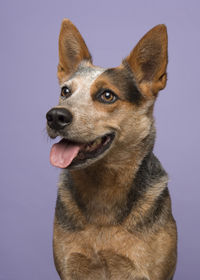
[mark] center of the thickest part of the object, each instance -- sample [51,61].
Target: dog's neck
[101,190]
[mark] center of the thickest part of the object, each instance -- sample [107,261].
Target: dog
[113,217]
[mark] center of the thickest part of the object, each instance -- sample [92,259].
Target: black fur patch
[159,203]
[75,195]
[123,79]
[148,174]
[64,218]
[155,212]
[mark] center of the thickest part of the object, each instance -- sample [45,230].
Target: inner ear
[148,60]
[72,49]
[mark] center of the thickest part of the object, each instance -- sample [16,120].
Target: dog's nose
[58,118]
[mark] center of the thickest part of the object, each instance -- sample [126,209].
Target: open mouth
[68,153]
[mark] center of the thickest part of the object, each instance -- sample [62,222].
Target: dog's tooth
[93,146]
[98,141]
[106,141]
[87,148]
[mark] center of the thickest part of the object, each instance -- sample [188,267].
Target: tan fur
[77,49]
[146,251]
[139,58]
[102,246]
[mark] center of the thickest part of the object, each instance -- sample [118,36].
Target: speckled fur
[113,217]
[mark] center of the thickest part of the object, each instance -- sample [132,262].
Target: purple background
[28,87]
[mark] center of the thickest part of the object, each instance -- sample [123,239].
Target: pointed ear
[148,60]
[72,50]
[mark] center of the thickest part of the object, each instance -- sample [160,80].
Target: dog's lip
[93,149]
[83,144]
[71,153]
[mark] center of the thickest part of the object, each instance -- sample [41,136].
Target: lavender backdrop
[28,88]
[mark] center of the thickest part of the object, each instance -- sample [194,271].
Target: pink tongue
[62,154]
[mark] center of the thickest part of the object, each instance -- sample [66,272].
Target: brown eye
[108,97]
[65,91]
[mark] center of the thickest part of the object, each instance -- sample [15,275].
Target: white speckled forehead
[85,75]
[80,83]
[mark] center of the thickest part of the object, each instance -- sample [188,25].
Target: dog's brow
[90,73]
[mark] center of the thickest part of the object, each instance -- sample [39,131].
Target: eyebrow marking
[124,81]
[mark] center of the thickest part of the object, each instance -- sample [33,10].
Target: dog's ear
[148,60]
[72,50]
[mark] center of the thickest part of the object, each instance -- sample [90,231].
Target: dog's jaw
[74,155]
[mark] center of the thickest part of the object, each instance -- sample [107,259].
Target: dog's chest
[92,241]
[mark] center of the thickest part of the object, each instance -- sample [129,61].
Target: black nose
[58,118]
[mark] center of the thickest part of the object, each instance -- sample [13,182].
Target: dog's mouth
[67,153]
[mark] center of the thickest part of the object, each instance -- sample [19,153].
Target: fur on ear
[148,60]
[72,50]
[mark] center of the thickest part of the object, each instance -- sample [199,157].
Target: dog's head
[104,111]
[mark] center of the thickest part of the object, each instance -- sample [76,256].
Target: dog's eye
[107,97]
[65,91]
